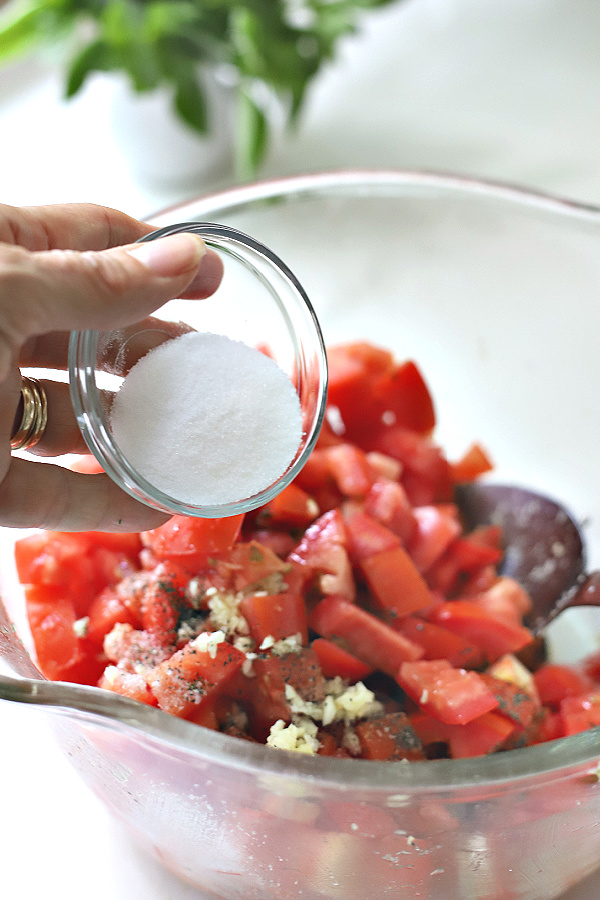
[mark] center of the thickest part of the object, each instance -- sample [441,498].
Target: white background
[503,89]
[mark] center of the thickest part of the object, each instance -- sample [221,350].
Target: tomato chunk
[363,635]
[192,675]
[495,636]
[192,542]
[454,696]
[396,583]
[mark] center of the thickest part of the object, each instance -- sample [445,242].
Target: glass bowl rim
[524,764]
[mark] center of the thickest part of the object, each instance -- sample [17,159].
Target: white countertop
[502,89]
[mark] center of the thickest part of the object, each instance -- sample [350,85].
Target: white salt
[207,420]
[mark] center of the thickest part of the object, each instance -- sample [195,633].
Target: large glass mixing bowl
[495,293]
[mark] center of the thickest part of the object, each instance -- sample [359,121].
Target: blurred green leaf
[280,46]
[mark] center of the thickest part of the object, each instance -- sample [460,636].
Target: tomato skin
[485,734]
[389,737]
[192,542]
[578,713]
[367,536]
[455,696]
[292,507]
[436,529]
[335,661]
[387,502]
[105,612]
[474,462]
[439,643]
[323,552]
[275,615]
[556,682]
[494,636]
[191,676]
[365,636]
[61,655]
[396,584]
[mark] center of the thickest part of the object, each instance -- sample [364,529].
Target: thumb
[59,290]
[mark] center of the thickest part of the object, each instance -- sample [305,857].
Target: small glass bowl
[261,303]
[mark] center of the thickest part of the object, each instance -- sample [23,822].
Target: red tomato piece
[292,507]
[555,682]
[363,635]
[193,675]
[389,737]
[367,536]
[335,661]
[192,542]
[128,684]
[521,708]
[396,584]
[580,713]
[275,615]
[495,636]
[455,696]
[404,393]
[60,653]
[350,469]
[426,471]
[388,502]
[471,465]
[323,551]
[108,609]
[249,563]
[485,734]
[163,602]
[439,643]
[436,528]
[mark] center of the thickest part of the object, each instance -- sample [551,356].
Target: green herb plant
[280,45]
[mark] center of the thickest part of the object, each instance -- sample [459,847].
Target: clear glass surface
[494,292]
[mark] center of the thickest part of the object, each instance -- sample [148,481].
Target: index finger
[68,226]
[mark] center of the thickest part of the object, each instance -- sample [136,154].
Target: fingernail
[170,256]
[208,277]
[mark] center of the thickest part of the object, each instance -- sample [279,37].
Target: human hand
[70,267]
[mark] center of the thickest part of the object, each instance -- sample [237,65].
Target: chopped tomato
[485,734]
[335,661]
[395,582]
[513,702]
[188,678]
[250,564]
[61,653]
[495,636]
[275,615]
[366,536]
[436,529]
[363,635]
[454,696]
[580,712]
[439,643]
[292,507]
[471,465]
[388,503]
[389,737]
[323,552]
[358,571]
[192,542]
[556,682]
[350,469]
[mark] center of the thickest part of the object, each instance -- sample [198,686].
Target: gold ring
[34,417]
